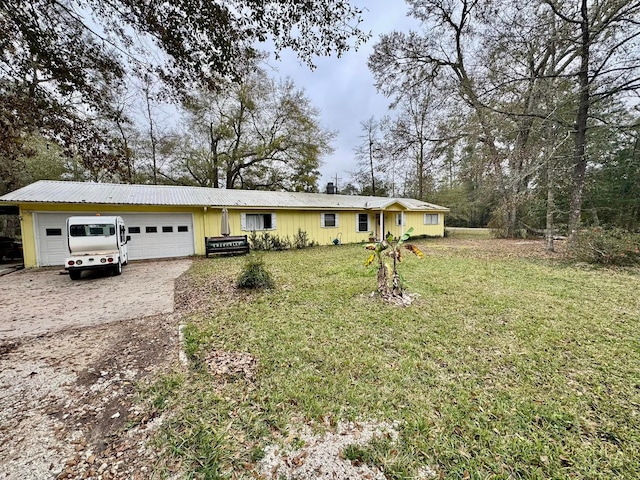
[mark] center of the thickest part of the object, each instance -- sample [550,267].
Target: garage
[153,235]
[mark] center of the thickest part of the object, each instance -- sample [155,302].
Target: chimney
[331,189]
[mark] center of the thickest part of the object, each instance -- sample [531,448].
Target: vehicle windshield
[92,230]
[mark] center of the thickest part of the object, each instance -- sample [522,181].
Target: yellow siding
[416,220]
[28,238]
[289,221]
[206,222]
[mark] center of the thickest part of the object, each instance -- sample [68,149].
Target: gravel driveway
[43,301]
[72,357]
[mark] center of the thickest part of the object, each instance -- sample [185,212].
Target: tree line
[519,116]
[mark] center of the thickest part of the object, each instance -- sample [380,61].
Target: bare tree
[604,62]
[370,157]
[258,133]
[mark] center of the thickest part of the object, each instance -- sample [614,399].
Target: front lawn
[508,365]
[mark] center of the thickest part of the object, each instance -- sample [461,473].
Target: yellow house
[172,221]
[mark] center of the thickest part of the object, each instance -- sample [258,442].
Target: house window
[167,229]
[362,222]
[400,219]
[328,220]
[54,232]
[252,222]
[134,229]
[183,228]
[151,229]
[431,219]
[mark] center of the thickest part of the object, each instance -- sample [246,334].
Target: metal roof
[50,191]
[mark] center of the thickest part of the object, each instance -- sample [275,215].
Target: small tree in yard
[254,275]
[394,291]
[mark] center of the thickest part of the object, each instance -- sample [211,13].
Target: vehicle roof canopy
[94,219]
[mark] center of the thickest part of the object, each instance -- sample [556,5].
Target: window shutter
[273,221]
[336,217]
[322,220]
[357,222]
[243,222]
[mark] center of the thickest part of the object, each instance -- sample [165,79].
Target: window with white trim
[400,219]
[252,222]
[362,222]
[328,220]
[431,219]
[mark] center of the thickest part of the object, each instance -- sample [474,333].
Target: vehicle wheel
[75,274]
[117,269]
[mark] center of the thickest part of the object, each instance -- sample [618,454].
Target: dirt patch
[321,456]
[69,404]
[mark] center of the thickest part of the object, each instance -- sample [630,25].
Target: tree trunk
[550,208]
[152,136]
[582,115]
[214,157]
[383,281]
[373,177]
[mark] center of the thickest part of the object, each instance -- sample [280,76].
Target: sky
[343,88]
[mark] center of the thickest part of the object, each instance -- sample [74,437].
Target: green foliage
[601,246]
[85,62]
[613,190]
[302,240]
[255,275]
[267,241]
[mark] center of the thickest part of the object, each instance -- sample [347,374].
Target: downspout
[204,228]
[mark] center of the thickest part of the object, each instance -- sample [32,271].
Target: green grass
[502,368]
[462,232]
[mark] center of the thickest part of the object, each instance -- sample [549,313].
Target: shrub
[613,246]
[254,275]
[267,241]
[281,243]
[302,240]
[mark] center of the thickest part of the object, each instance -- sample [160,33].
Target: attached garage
[153,235]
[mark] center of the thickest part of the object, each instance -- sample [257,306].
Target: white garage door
[51,239]
[152,235]
[159,235]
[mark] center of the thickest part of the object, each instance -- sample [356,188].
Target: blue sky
[343,88]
